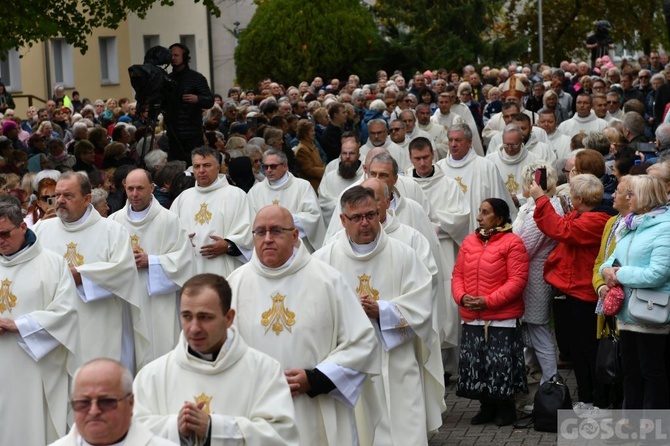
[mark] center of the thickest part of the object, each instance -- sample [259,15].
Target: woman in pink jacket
[488,281]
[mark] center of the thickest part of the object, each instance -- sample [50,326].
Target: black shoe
[447,379]
[505,413]
[486,414]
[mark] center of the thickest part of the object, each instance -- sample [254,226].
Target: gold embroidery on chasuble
[72,257]
[203,216]
[365,288]
[512,185]
[202,398]
[278,316]
[135,243]
[459,180]
[7,299]
[275,202]
[402,327]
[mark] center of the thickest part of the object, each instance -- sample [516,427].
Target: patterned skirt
[491,367]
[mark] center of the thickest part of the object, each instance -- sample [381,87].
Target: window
[10,71]
[63,71]
[151,41]
[109,61]
[188,41]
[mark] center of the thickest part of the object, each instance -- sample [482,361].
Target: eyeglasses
[395,129]
[359,217]
[104,404]
[6,234]
[511,146]
[256,161]
[46,197]
[275,231]
[271,166]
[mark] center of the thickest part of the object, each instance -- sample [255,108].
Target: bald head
[275,235]
[139,189]
[382,195]
[374,152]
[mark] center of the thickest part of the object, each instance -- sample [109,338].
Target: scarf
[632,221]
[486,234]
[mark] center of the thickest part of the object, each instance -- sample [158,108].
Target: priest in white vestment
[438,134]
[584,121]
[281,188]
[163,256]
[217,217]
[212,388]
[378,138]
[109,421]
[348,172]
[513,90]
[303,313]
[103,267]
[39,336]
[401,306]
[530,140]
[444,116]
[510,158]
[478,177]
[559,141]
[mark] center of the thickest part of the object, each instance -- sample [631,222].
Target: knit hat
[8,126]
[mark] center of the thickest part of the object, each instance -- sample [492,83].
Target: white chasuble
[585,126]
[298,196]
[110,323]
[306,316]
[331,186]
[161,236]
[137,435]
[221,210]
[393,272]
[37,291]
[245,394]
[511,168]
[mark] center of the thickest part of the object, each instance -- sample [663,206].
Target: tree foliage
[26,22]
[294,40]
[421,34]
[636,25]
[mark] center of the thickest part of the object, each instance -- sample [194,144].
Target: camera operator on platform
[183,115]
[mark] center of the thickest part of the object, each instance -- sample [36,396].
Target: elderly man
[281,188]
[412,131]
[326,346]
[509,111]
[443,115]
[349,171]
[398,133]
[212,388]
[510,158]
[378,137]
[163,256]
[216,216]
[438,134]
[559,141]
[584,121]
[614,111]
[101,262]
[38,333]
[103,401]
[400,305]
[478,177]
[513,90]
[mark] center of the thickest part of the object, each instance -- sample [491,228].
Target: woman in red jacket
[488,281]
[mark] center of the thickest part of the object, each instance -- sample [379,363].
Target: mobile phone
[51,201]
[541,177]
[616,263]
[646,147]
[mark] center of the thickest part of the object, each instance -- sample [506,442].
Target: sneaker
[528,408]
[581,408]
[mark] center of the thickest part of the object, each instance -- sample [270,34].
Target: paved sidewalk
[457,429]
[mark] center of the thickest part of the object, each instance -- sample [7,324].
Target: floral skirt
[491,367]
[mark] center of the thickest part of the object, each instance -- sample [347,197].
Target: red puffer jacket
[569,267]
[497,270]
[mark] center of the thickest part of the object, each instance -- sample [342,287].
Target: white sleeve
[157,281]
[296,222]
[89,291]
[394,329]
[33,338]
[225,430]
[348,382]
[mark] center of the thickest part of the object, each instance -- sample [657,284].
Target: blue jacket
[644,255]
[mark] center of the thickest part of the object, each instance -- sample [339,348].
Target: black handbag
[608,359]
[551,397]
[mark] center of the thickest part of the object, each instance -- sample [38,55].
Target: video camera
[150,81]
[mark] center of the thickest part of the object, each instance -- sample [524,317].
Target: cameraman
[600,42]
[183,108]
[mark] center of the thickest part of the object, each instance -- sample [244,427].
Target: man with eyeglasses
[302,312]
[614,111]
[39,334]
[216,215]
[379,138]
[103,401]
[398,134]
[281,188]
[644,80]
[400,307]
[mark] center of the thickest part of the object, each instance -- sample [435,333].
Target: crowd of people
[312,264]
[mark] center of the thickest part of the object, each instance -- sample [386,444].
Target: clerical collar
[280,181]
[137,216]
[83,442]
[364,249]
[30,240]
[211,357]
[416,175]
[394,203]
[286,263]
[458,163]
[81,220]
